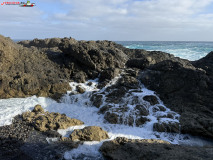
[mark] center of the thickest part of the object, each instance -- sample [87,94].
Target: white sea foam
[187,50]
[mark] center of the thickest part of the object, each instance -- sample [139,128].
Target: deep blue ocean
[190,50]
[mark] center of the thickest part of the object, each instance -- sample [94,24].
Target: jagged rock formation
[44,68]
[26,72]
[126,149]
[39,67]
[44,121]
[97,55]
[90,133]
[184,89]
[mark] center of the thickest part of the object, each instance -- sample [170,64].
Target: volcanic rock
[45,43]
[167,127]
[143,59]
[186,90]
[111,117]
[90,133]
[162,108]
[29,71]
[142,120]
[151,99]
[95,55]
[89,84]
[109,74]
[142,110]
[38,109]
[80,77]
[53,134]
[196,124]
[126,149]
[80,89]
[97,100]
[116,94]
[45,121]
[129,82]
[105,108]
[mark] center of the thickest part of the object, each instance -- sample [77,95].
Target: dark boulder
[129,82]
[95,55]
[116,95]
[80,77]
[109,74]
[126,149]
[142,120]
[105,108]
[80,89]
[52,134]
[151,99]
[111,117]
[142,110]
[145,59]
[90,133]
[97,100]
[167,127]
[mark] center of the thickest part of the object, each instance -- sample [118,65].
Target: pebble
[12,137]
[20,141]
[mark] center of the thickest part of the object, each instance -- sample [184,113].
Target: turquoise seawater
[187,50]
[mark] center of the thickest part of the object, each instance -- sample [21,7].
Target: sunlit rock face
[44,121]
[29,71]
[90,133]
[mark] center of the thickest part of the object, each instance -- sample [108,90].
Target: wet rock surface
[185,90]
[90,133]
[167,127]
[44,121]
[151,99]
[126,149]
[97,100]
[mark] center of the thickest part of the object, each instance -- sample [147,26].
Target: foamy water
[80,107]
[187,50]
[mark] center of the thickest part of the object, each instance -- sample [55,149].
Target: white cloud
[119,20]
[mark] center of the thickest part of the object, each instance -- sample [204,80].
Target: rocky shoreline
[46,67]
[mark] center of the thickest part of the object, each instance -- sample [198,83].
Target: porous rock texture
[118,96]
[20,141]
[142,59]
[127,149]
[95,54]
[44,121]
[90,133]
[186,90]
[28,71]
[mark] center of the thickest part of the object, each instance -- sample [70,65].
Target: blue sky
[133,20]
